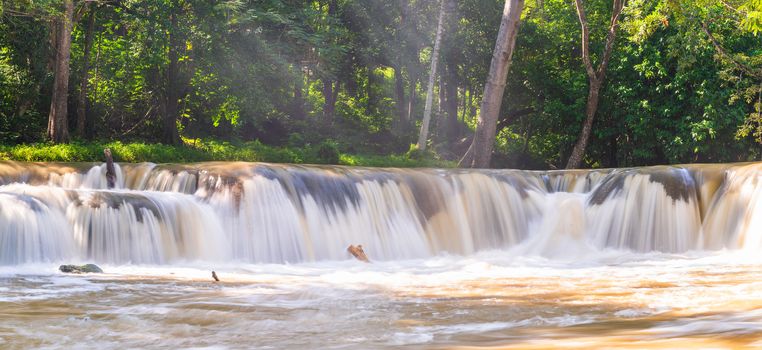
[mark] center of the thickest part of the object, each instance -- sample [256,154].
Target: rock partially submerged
[358,252]
[87,268]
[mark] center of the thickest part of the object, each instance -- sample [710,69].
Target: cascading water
[654,257]
[252,212]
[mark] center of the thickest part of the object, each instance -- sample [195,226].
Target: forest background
[346,82]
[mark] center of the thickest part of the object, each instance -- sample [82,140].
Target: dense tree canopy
[683,82]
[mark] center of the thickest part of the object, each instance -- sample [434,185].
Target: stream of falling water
[641,257]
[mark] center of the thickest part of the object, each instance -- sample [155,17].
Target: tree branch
[730,7]
[512,115]
[610,39]
[585,39]
[740,65]
[17,13]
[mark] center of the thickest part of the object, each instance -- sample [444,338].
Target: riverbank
[210,150]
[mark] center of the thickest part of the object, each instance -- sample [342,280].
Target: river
[619,258]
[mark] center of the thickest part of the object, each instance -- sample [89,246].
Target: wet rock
[358,252]
[87,268]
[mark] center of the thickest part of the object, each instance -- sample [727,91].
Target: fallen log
[358,252]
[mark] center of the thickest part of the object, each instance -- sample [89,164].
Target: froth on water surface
[611,299]
[641,257]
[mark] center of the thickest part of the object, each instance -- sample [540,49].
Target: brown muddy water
[654,257]
[612,300]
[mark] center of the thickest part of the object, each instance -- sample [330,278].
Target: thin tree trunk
[298,101]
[371,103]
[95,73]
[58,130]
[84,84]
[471,107]
[463,103]
[410,53]
[330,92]
[411,97]
[595,77]
[484,138]
[328,103]
[450,77]
[172,93]
[399,95]
[451,104]
[423,135]
[438,123]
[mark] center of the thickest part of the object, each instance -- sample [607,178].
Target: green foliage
[752,16]
[206,150]
[394,161]
[331,81]
[327,152]
[415,153]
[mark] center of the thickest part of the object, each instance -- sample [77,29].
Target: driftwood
[358,252]
[110,170]
[214,275]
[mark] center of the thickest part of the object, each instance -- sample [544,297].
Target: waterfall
[268,213]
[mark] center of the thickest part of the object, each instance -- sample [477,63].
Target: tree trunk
[172,94]
[424,134]
[595,77]
[411,96]
[399,98]
[451,104]
[471,107]
[53,35]
[410,53]
[371,96]
[58,130]
[592,106]
[438,123]
[450,77]
[327,103]
[330,94]
[484,138]
[84,84]
[298,102]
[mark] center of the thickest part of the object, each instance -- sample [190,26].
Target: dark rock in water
[87,268]
[611,186]
[678,184]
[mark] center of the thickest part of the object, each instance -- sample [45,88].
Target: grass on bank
[210,150]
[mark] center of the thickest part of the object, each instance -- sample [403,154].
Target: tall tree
[424,134]
[330,83]
[410,54]
[450,79]
[480,152]
[58,130]
[84,83]
[595,77]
